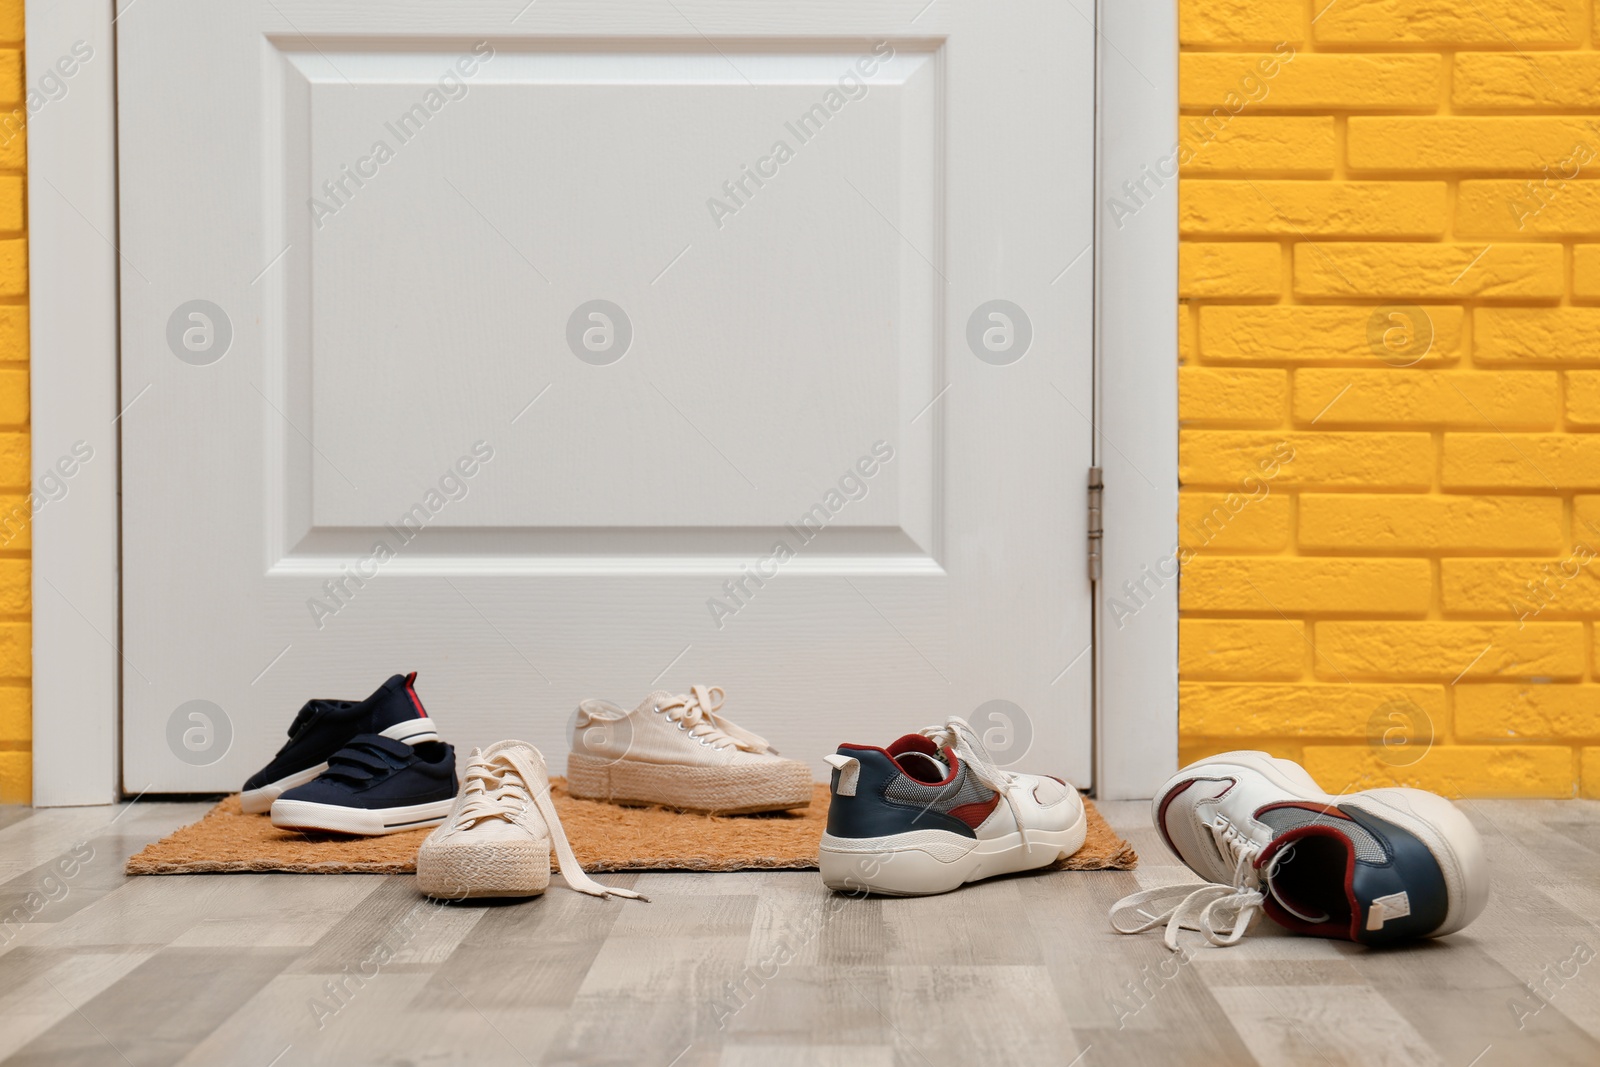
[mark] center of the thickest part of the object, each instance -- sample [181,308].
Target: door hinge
[1097,529]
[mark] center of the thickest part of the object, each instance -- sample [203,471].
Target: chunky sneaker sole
[259,801]
[923,862]
[472,870]
[369,822]
[1417,866]
[717,790]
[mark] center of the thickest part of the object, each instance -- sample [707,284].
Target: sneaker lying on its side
[933,811]
[677,751]
[323,727]
[496,840]
[374,785]
[1376,867]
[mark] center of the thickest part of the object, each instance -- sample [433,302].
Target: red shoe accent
[412,693]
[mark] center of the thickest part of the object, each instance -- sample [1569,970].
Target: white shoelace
[1202,906]
[959,735]
[499,787]
[696,713]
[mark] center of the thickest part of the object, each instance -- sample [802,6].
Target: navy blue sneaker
[323,727]
[374,785]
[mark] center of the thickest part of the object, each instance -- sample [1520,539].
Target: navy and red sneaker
[323,727]
[1376,867]
[933,811]
[374,785]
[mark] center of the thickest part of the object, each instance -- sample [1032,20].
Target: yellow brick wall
[16,646]
[1389,219]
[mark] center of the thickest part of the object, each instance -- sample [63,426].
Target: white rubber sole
[368,822]
[924,862]
[259,801]
[1446,831]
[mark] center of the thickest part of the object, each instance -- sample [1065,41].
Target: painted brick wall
[16,646]
[1390,260]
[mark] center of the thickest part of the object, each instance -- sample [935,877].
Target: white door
[580,347]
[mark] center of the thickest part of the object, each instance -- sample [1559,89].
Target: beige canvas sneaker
[497,838]
[677,751]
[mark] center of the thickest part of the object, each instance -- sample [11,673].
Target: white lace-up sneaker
[933,811]
[1375,867]
[496,840]
[677,751]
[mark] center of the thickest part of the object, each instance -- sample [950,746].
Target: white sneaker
[496,840]
[925,816]
[677,751]
[1375,867]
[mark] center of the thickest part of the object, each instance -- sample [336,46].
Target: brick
[1298,585]
[1262,208]
[1586,519]
[1481,22]
[1223,458]
[1586,272]
[14,267]
[1232,82]
[1540,336]
[14,460]
[15,587]
[1264,22]
[1589,761]
[1551,462]
[1188,345]
[1527,712]
[1511,208]
[1352,336]
[1219,395]
[11,21]
[1471,400]
[1194,751]
[1253,710]
[13,396]
[1429,271]
[16,650]
[16,523]
[1446,651]
[1234,522]
[1240,648]
[1469,143]
[1386,522]
[1583,399]
[11,89]
[16,777]
[1229,269]
[1454,771]
[13,204]
[1284,146]
[13,144]
[1524,589]
[1484,81]
[16,713]
[13,332]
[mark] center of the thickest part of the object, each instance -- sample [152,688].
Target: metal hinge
[1097,529]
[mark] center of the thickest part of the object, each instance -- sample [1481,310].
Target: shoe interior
[917,757]
[1308,888]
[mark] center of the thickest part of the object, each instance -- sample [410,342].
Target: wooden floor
[762,969]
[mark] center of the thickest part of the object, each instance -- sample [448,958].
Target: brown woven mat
[604,837]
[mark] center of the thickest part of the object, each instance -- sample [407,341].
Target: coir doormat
[605,837]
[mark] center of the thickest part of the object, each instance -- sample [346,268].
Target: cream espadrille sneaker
[496,841]
[677,751]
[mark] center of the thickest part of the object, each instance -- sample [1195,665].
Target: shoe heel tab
[410,686]
[846,773]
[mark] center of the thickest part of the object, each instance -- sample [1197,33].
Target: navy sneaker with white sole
[374,785]
[323,727]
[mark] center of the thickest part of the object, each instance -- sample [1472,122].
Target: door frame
[74,266]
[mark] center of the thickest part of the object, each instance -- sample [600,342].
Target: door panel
[599,347]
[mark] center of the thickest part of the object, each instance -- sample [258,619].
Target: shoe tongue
[395,701]
[1307,874]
